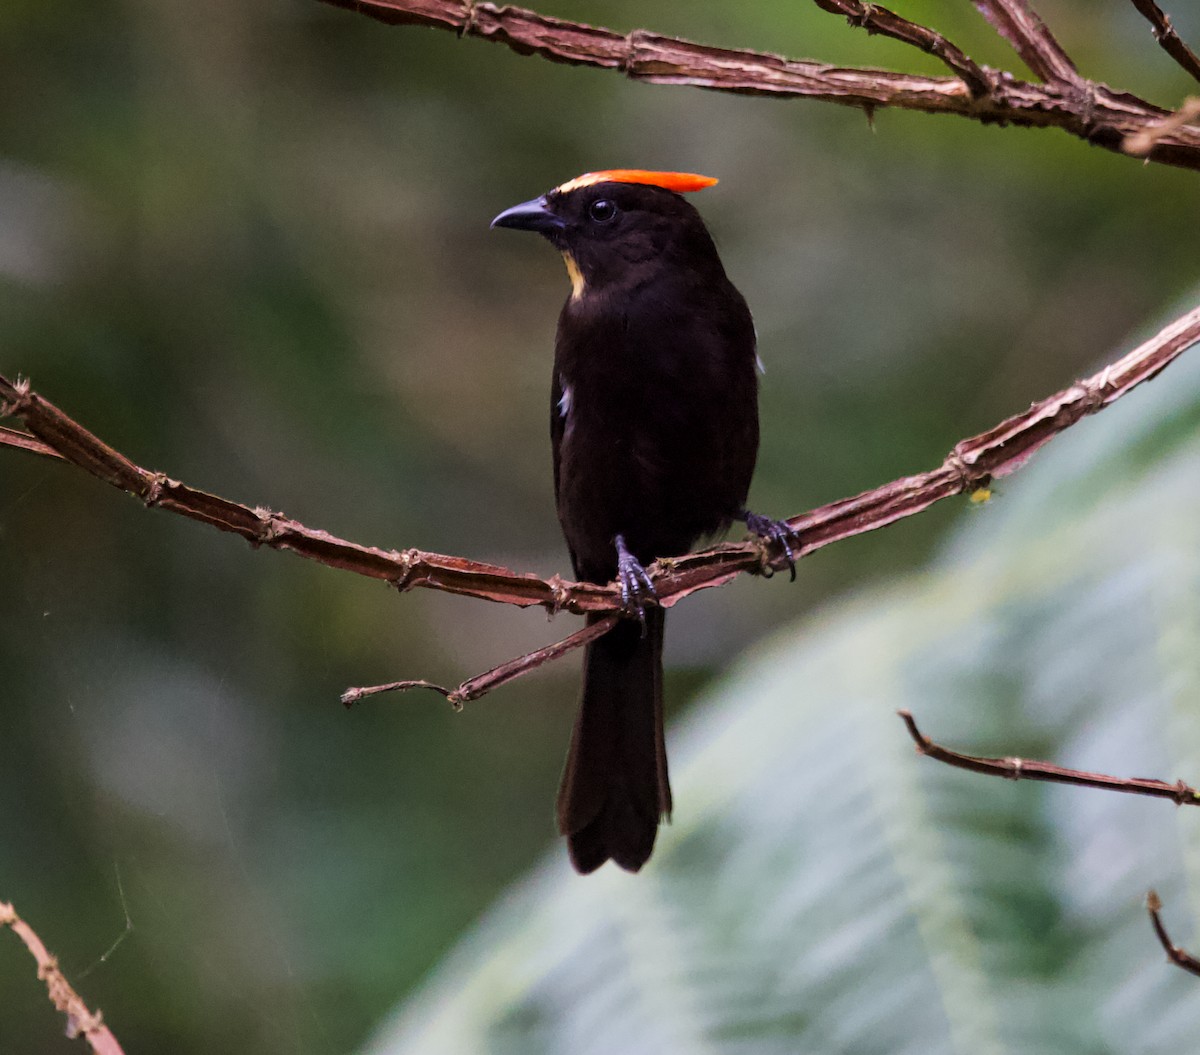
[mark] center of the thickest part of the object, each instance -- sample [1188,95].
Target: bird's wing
[557,425]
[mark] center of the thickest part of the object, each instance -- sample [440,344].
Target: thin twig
[1020,25]
[80,1021]
[481,684]
[23,441]
[1141,144]
[1168,38]
[1024,769]
[1175,954]
[1093,112]
[998,452]
[876,19]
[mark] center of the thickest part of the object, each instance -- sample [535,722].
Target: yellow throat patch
[576,276]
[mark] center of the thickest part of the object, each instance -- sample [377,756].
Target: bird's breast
[659,428]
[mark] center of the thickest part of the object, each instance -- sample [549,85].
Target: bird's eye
[603,210]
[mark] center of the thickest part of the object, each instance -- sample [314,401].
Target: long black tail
[614,787]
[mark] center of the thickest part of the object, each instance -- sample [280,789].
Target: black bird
[654,421]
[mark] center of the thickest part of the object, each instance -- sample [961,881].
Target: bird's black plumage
[654,422]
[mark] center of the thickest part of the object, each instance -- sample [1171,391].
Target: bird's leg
[771,531]
[637,590]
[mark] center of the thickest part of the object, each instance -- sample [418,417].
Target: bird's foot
[637,591]
[773,532]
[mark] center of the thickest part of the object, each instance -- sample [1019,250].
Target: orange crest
[680,182]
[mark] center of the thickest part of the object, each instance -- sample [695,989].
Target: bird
[654,429]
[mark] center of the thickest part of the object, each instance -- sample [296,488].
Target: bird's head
[613,227]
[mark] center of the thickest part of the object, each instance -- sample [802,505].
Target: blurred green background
[247,244]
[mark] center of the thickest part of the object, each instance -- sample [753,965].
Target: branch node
[1093,390]
[271,527]
[469,17]
[1086,103]
[1015,771]
[19,403]
[559,595]
[48,968]
[762,549]
[154,492]
[861,19]
[409,559]
[629,60]
[83,1024]
[969,479]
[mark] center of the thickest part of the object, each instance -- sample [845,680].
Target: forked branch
[1065,100]
[970,466]
[876,19]
[23,441]
[1021,26]
[481,684]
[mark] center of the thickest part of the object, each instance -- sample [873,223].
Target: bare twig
[481,684]
[974,461]
[1020,25]
[80,1021]
[1175,954]
[1024,769]
[876,19]
[1141,144]
[1082,108]
[23,441]
[1168,38]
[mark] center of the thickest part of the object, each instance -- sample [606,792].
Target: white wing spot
[564,402]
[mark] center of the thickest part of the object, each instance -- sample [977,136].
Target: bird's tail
[614,786]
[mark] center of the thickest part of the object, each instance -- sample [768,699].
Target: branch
[80,1021]
[970,465]
[1091,111]
[1023,769]
[876,19]
[1020,25]
[1168,38]
[481,684]
[1174,953]
[23,441]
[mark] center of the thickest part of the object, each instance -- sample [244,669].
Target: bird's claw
[637,589]
[775,532]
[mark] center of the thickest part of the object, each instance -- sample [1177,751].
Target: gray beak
[530,216]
